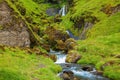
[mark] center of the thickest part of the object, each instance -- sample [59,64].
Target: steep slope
[86,14]
[16,31]
[97,22]
[19,64]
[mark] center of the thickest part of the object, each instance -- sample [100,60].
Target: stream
[76,69]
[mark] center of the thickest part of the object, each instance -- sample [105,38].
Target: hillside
[88,32]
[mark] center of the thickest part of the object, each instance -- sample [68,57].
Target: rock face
[52,11]
[13,30]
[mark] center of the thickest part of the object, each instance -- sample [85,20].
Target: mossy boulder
[54,35]
[67,45]
[70,44]
[60,45]
[68,75]
[73,57]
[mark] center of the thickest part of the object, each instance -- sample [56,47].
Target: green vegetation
[17,64]
[86,11]
[102,52]
[103,40]
[107,26]
[101,47]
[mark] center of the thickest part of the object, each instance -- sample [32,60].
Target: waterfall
[62,11]
[72,35]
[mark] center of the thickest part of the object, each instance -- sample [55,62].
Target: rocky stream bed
[73,71]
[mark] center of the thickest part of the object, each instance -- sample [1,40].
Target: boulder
[87,68]
[60,45]
[70,44]
[67,75]
[73,57]
[54,34]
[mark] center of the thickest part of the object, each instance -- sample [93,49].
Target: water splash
[61,58]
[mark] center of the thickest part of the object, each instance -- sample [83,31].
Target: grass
[105,27]
[17,64]
[101,51]
[100,48]
[85,8]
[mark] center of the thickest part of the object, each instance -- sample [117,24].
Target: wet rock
[87,68]
[67,75]
[73,57]
[98,73]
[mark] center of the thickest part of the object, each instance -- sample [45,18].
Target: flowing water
[63,11]
[75,68]
[71,35]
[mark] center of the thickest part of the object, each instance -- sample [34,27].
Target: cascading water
[63,11]
[60,57]
[71,35]
[75,68]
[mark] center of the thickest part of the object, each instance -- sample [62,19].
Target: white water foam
[62,11]
[61,58]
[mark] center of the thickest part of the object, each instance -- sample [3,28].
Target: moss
[89,8]
[1,27]
[6,74]
[101,52]
[17,64]
[106,27]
